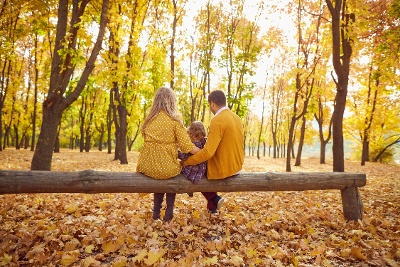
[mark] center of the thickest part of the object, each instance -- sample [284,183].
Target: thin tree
[341,54]
[321,117]
[262,123]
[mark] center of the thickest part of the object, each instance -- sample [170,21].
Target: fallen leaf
[251,253]
[110,246]
[154,256]
[210,261]
[120,262]
[91,262]
[236,260]
[71,208]
[69,257]
[89,249]
[356,252]
[5,260]
[140,256]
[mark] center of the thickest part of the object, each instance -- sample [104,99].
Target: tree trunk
[57,143]
[131,141]
[341,53]
[365,149]
[6,141]
[301,142]
[101,137]
[26,142]
[264,149]
[290,144]
[71,142]
[1,125]
[16,133]
[88,131]
[385,148]
[337,131]
[82,137]
[322,151]
[61,72]
[275,149]
[82,113]
[35,97]
[109,126]
[262,124]
[320,121]
[172,48]
[369,118]
[88,140]
[47,138]
[121,153]
[4,82]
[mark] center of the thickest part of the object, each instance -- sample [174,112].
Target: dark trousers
[158,200]
[210,196]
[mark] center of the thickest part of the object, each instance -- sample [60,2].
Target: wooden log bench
[90,182]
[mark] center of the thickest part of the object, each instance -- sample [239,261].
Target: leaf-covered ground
[253,229]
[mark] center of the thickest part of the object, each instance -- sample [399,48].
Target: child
[197,134]
[163,131]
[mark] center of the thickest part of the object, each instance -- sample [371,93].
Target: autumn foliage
[253,229]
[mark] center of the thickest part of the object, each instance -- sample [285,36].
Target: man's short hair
[218,97]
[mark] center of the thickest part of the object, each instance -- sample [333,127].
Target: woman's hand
[195,150]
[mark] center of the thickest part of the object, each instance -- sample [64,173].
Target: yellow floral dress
[159,155]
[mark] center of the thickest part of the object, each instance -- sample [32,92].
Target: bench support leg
[352,204]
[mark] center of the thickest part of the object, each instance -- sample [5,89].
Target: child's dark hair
[197,130]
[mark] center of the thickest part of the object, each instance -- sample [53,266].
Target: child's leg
[170,207]
[210,196]
[158,200]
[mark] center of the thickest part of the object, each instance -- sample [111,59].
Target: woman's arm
[195,150]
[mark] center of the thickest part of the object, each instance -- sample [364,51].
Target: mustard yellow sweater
[223,150]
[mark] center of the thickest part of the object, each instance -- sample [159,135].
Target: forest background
[83,74]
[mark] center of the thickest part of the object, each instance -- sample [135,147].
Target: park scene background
[77,80]
[284,70]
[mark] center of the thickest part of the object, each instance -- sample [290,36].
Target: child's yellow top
[159,155]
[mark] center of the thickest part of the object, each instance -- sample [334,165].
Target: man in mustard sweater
[223,151]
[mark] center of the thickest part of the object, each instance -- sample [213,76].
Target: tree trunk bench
[90,181]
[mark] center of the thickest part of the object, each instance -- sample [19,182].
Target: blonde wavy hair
[164,100]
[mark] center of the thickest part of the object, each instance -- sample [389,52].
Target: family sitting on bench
[221,156]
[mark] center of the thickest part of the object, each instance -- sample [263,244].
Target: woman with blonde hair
[163,134]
